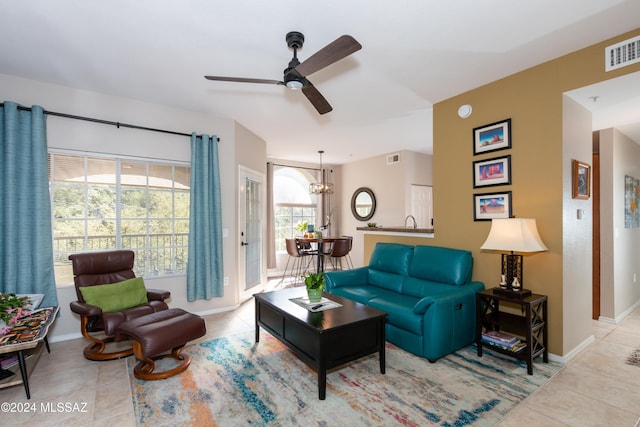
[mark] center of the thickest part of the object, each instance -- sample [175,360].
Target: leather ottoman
[157,333]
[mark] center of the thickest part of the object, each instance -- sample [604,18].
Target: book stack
[503,341]
[8,361]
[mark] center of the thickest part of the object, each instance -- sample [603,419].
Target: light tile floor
[596,388]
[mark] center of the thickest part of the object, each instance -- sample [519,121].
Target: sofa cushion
[384,280]
[424,288]
[445,265]
[116,296]
[356,276]
[400,310]
[361,294]
[391,258]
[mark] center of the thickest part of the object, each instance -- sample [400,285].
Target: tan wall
[533,99]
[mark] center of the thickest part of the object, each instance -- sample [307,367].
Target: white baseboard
[217,310]
[66,337]
[76,335]
[573,353]
[621,317]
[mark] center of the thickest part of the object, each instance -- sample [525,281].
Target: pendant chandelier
[321,187]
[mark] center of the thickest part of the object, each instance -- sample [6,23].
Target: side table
[27,339]
[530,326]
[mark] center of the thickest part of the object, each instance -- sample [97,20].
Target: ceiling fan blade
[316,98]
[341,47]
[244,80]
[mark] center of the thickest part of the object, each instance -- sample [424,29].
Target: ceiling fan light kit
[295,75]
[294,84]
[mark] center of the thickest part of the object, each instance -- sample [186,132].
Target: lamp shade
[514,234]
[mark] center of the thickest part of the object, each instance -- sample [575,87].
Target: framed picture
[496,171]
[496,136]
[489,206]
[581,180]
[631,202]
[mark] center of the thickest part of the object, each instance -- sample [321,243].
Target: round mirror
[363,204]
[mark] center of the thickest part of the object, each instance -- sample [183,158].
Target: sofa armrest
[356,276]
[157,294]
[455,293]
[422,305]
[85,309]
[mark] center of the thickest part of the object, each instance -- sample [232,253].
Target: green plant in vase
[301,227]
[315,285]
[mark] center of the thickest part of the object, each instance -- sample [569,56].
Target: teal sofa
[426,290]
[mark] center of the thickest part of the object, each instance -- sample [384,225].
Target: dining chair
[296,257]
[348,258]
[339,250]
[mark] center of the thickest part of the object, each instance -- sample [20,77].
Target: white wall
[620,246]
[391,186]
[576,233]
[65,133]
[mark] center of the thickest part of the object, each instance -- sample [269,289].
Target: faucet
[414,221]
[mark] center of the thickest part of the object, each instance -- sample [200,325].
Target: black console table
[530,325]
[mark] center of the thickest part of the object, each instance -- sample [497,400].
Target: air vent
[622,54]
[393,158]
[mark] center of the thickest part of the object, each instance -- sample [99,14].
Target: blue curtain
[204,270]
[26,247]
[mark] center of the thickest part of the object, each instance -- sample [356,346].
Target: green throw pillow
[116,296]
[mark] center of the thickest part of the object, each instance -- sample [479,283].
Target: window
[292,203]
[106,203]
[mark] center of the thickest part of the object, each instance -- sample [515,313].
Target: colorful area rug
[634,358]
[232,381]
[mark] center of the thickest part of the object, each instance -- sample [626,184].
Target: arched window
[292,202]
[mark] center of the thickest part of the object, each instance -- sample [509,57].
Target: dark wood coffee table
[323,339]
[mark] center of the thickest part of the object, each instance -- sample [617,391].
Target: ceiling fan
[295,75]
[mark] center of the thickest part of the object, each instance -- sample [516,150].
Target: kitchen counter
[398,231]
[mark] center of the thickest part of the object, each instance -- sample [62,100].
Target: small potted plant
[301,227]
[315,285]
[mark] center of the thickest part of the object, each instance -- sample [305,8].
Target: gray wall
[620,246]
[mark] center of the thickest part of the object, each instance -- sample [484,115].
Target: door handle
[244,244]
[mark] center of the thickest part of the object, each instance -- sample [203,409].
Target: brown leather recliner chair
[101,268]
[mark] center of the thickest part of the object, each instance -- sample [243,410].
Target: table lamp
[514,235]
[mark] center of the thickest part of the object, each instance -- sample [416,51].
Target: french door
[251,266]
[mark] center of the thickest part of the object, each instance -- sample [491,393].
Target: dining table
[320,241]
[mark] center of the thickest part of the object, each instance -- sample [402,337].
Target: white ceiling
[415,53]
[613,103]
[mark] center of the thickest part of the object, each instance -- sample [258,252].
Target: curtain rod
[105,122]
[291,166]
